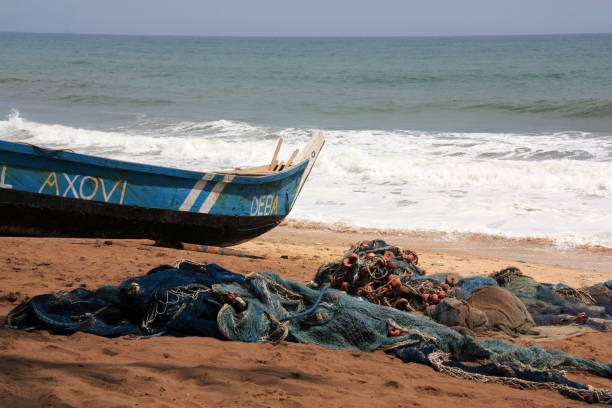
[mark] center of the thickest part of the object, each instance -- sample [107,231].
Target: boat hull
[46,192]
[31,214]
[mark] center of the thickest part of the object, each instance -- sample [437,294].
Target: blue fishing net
[168,300]
[469,284]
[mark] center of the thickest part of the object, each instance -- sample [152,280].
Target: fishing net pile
[208,300]
[385,275]
[560,304]
[168,300]
[506,301]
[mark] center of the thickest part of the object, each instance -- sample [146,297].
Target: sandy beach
[40,369]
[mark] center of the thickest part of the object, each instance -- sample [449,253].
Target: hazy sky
[307,17]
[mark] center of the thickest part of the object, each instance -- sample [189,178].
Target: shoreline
[441,236]
[538,250]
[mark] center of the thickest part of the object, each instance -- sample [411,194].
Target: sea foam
[551,185]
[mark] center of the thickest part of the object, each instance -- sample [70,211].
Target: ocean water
[509,135]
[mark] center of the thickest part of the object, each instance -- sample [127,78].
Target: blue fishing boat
[45,192]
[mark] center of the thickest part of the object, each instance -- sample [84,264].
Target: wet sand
[40,369]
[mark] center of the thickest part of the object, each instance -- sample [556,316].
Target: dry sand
[38,369]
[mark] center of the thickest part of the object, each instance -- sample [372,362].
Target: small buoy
[392,265]
[408,257]
[402,303]
[404,290]
[370,255]
[452,280]
[444,286]
[442,295]
[350,260]
[425,297]
[394,280]
[388,255]
[434,298]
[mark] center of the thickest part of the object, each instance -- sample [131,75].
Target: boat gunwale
[83,159]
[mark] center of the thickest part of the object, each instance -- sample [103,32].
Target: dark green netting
[341,321]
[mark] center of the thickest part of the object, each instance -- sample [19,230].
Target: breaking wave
[550,185]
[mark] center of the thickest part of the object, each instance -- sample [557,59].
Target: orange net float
[405,291]
[410,257]
[455,292]
[394,280]
[452,280]
[388,255]
[581,317]
[402,304]
[392,265]
[370,255]
[350,260]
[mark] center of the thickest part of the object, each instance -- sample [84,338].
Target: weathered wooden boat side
[60,193]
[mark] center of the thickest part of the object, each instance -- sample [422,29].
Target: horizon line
[303,36]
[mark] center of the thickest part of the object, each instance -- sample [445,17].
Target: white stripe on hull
[214,194]
[195,192]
